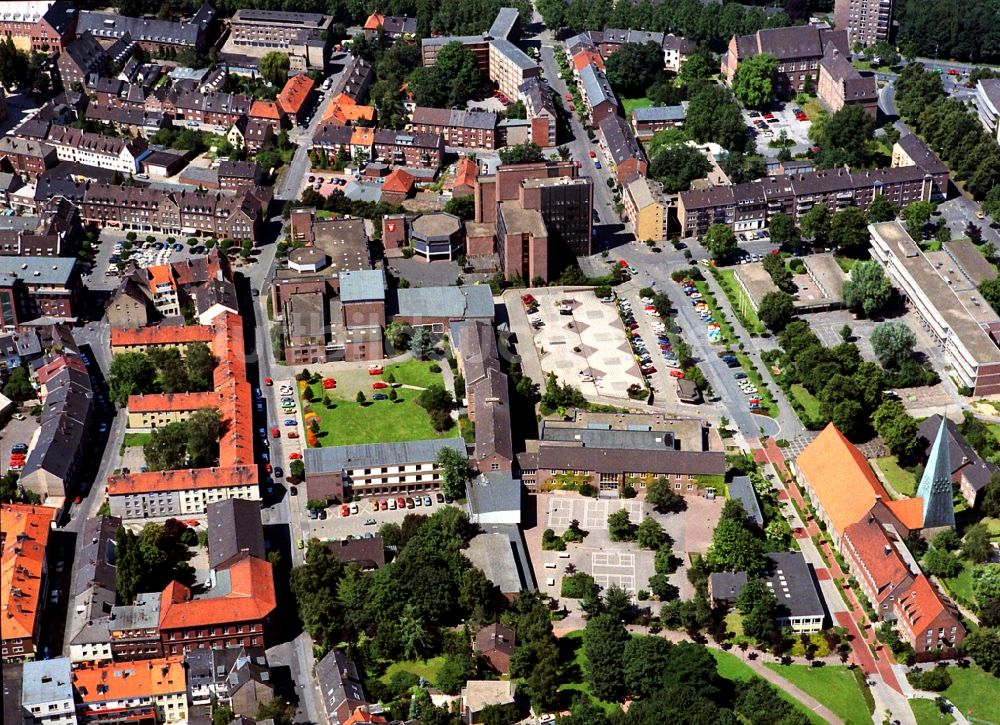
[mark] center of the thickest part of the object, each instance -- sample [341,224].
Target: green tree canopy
[815,224]
[677,166]
[455,472]
[634,67]
[868,290]
[274,68]
[782,229]
[720,241]
[893,343]
[525,153]
[754,81]
[776,310]
[604,642]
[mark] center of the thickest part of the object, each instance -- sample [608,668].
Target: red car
[345,510]
[374,369]
[569,97]
[383,505]
[593,154]
[401,502]
[677,373]
[379,385]
[77,500]
[267,467]
[275,433]
[528,300]
[268,381]
[295,456]
[329,383]
[768,116]
[953,72]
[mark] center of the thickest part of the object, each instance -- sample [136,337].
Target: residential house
[646,208]
[487,393]
[495,644]
[355,80]
[150,691]
[252,134]
[840,84]
[597,94]
[27,158]
[81,59]
[647,121]
[340,686]
[47,693]
[94,149]
[391,27]
[92,590]
[419,150]
[540,110]
[296,96]
[910,150]
[477,695]
[463,129]
[867,21]
[234,532]
[239,175]
[24,585]
[233,677]
[621,150]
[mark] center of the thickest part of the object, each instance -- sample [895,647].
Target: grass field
[961,585]
[899,478]
[975,692]
[806,399]
[734,669]
[572,669]
[133,440]
[376,421]
[630,103]
[428,669]
[834,685]
[927,713]
[741,304]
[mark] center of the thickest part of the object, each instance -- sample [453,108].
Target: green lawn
[995,430]
[846,263]
[961,585]
[134,440]
[734,669]
[630,103]
[993,525]
[927,713]
[807,400]
[376,421]
[740,302]
[899,478]
[428,669]
[974,692]
[833,685]
[572,668]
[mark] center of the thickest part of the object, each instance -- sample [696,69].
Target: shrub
[578,586]
[588,489]
[434,368]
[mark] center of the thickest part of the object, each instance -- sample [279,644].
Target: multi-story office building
[867,21]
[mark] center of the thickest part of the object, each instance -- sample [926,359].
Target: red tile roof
[374,22]
[882,565]
[46,371]
[265,109]
[171,402]
[24,532]
[160,335]
[250,598]
[106,681]
[399,182]
[466,171]
[295,93]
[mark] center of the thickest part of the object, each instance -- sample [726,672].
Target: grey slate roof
[504,23]
[651,440]
[234,527]
[95,564]
[338,458]
[494,492]
[596,86]
[791,581]
[47,681]
[112,25]
[362,285]
[616,460]
[339,682]
[651,114]
[727,585]
[620,141]
[741,489]
[468,301]
[515,54]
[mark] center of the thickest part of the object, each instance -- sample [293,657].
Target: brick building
[24,586]
[867,21]
[841,85]
[476,129]
[621,150]
[798,50]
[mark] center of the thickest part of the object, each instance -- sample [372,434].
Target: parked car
[296,456]
[293,434]
[379,385]
[329,383]
[345,510]
[380,396]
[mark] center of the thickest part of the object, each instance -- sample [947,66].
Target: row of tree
[961,29]
[950,128]
[191,444]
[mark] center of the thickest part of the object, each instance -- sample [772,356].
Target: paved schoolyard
[614,569]
[591,513]
[590,341]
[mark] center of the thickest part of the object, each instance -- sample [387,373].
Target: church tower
[935,485]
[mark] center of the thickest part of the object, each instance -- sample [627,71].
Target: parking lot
[16,431]
[583,342]
[769,129]
[337,527]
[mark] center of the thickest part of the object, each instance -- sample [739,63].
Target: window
[494,466]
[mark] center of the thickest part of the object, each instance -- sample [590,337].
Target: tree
[661,497]
[713,115]
[754,81]
[274,68]
[604,641]
[457,70]
[650,534]
[720,241]
[222,715]
[759,607]
[845,138]
[677,166]
[464,207]
[781,228]
[941,563]
[776,310]
[991,496]
[990,290]
[360,397]
[200,363]
[422,343]
[203,430]
[297,469]
[736,548]
[881,210]
[277,710]
[893,343]
[167,448]
[398,334]
[897,428]
[983,645]
[868,290]
[634,67]
[917,215]
[849,231]
[525,153]
[18,386]
[645,658]
[774,265]
[815,224]
[173,374]
[455,473]
[620,527]
[976,544]
[131,373]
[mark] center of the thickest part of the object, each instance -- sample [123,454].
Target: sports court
[614,568]
[591,513]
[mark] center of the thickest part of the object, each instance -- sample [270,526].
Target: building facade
[867,21]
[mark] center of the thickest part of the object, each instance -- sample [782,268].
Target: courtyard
[345,421]
[584,345]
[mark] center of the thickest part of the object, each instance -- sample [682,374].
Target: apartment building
[867,21]
[798,50]
[42,25]
[209,109]
[152,34]
[510,67]
[27,158]
[987,100]
[296,96]
[150,691]
[190,491]
[147,209]
[749,206]
[376,469]
[464,129]
[841,85]
[621,150]
[910,150]
[81,58]
[135,629]
[92,591]
[597,94]
[239,175]
[948,304]
[355,80]
[646,208]
[303,36]
[540,110]
[396,148]
[94,149]
[33,287]
[487,395]
[647,121]
[46,693]
[392,27]
[24,587]
[610,40]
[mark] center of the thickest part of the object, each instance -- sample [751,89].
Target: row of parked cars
[391,504]
[641,350]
